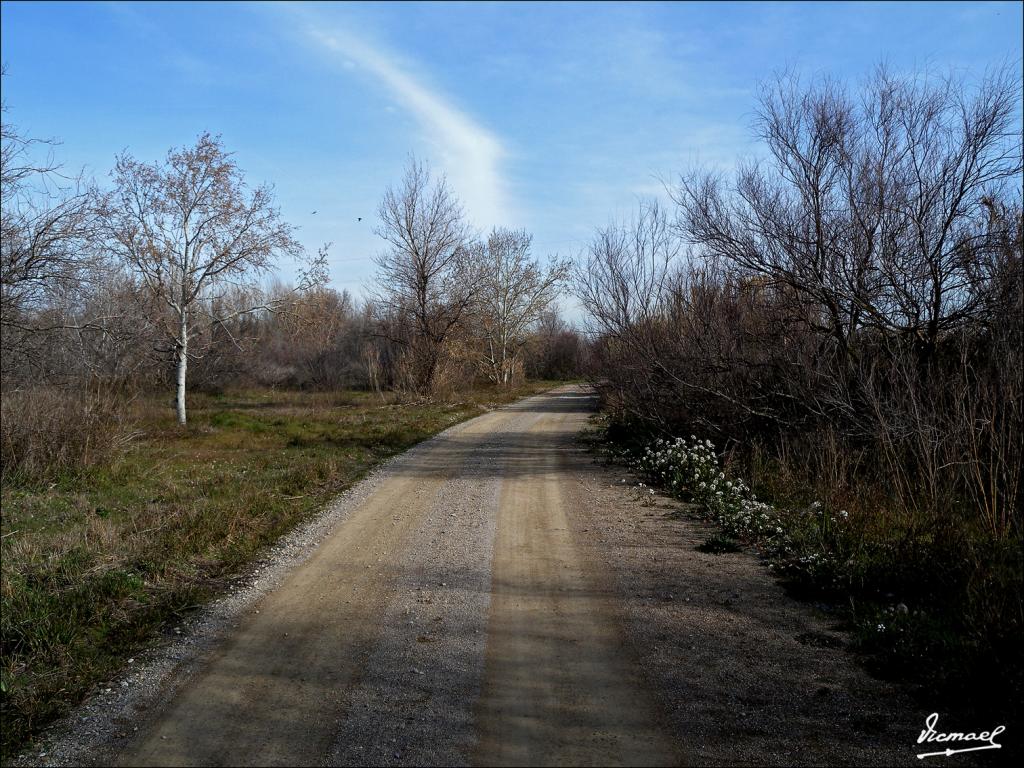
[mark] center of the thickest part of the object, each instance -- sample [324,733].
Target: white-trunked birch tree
[514,291]
[193,233]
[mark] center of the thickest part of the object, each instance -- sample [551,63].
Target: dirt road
[494,597]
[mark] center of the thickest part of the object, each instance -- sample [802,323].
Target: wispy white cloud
[469,153]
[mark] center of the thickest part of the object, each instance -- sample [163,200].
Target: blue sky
[553,117]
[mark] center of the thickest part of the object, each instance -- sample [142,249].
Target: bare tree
[856,292]
[46,254]
[421,288]
[556,349]
[514,291]
[623,278]
[866,209]
[192,232]
[622,285]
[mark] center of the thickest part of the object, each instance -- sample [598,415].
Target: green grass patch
[96,562]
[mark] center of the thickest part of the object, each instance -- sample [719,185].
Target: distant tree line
[167,278]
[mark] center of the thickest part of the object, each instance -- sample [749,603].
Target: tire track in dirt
[560,687]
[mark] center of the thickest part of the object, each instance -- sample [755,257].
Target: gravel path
[427,665]
[493,596]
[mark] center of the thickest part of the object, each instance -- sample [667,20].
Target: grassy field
[94,564]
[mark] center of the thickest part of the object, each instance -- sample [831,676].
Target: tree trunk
[504,359]
[182,370]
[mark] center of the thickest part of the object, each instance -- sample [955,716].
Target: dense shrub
[48,431]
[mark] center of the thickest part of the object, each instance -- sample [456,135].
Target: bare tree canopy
[868,207]
[46,233]
[419,285]
[623,278]
[196,236]
[514,291]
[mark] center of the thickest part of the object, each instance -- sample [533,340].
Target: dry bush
[46,432]
[859,292]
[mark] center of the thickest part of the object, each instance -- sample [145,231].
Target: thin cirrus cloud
[469,154]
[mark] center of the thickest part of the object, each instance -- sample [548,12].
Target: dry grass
[48,431]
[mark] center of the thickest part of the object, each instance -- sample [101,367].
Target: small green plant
[720,544]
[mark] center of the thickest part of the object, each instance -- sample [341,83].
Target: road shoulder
[745,674]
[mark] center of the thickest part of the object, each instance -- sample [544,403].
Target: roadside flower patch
[807,545]
[689,470]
